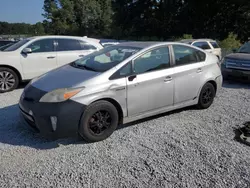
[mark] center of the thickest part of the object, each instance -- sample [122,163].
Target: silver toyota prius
[91,96]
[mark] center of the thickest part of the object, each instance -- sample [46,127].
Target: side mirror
[27,50]
[234,50]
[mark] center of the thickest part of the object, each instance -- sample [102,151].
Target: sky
[18,11]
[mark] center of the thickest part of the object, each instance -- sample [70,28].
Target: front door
[151,85]
[188,73]
[41,60]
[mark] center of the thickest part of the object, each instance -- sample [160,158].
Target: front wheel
[99,121]
[8,80]
[206,96]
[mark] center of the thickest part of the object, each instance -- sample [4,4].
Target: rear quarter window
[87,46]
[201,56]
[215,44]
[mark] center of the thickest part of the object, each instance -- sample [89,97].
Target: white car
[208,45]
[35,56]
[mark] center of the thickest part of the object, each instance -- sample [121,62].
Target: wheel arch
[213,82]
[117,106]
[14,69]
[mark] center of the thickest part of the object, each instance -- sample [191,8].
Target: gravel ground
[185,148]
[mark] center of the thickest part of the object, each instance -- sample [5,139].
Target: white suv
[208,45]
[35,56]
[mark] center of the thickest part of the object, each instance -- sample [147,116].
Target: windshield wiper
[84,66]
[243,52]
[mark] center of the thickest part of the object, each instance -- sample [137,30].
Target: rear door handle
[199,70]
[81,55]
[51,57]
[168,79]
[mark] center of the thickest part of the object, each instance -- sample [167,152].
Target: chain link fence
[225,52]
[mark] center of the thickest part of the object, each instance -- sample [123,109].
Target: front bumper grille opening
[30,120]
[238,64]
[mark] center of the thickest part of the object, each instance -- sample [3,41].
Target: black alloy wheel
[206,96]
[99,120]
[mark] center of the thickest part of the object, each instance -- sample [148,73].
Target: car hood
[4,54]
[63,77]
[239,56]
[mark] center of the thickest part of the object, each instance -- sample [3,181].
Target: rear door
[68,50]
[41,60]
[188,72]
[151,86]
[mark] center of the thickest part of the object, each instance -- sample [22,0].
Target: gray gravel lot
[185,148]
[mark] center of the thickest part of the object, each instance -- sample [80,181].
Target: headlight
[223,61]
[60,95]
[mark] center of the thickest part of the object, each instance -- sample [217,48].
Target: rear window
[214,44]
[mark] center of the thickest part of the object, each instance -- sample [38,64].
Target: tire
[225,77]
[206,97]
[90,127]
[8,80]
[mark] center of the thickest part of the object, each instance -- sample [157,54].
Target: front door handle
[81,55]
[168,79]
[199,70]
[51,57]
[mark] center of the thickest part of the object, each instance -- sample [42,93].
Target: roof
[64,36]
[93,41]
[194,40]
[139,44]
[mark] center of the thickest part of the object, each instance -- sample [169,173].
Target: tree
[81,17]
[38,29]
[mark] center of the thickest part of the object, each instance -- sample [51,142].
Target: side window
[68,45]
[126,70]
[123,72]
[153,60]
[185,55]
[44,45]
[87,46]
[202,45]
[214,44]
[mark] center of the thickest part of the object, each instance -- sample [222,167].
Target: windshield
[6,46]
[245,48]
[16,46]
[106,58]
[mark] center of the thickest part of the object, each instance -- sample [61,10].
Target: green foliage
[187,36]
[184,36]
[21,29]
[167,18]
[142,19]
[79,17]
[230,42]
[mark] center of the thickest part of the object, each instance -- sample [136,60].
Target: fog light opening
[53,120]
[30,113]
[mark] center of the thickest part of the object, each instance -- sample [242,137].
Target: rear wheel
[206,96]
[99,121]
[8,80]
